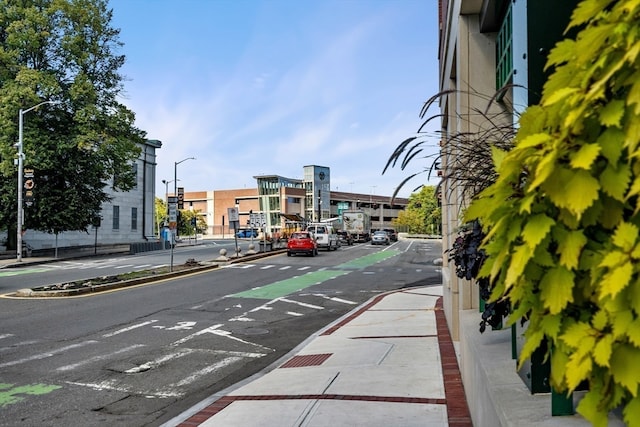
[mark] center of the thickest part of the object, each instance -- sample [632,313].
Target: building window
[116,217]
[134,167]
[134,218]
[504,51]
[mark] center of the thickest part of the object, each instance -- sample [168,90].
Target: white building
[127,218]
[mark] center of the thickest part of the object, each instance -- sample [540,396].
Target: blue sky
[254,87]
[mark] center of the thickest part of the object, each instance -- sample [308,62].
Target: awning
[293,217]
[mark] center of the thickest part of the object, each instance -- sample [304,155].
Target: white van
[325,235]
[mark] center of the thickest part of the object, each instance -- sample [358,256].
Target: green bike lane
[285,287]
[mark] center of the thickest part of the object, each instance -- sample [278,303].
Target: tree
[422,214]
[562,219]
[160,213]
[63,51]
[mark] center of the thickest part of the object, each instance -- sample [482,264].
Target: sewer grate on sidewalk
[307,360]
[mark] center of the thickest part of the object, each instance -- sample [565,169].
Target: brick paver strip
[306,360]
[457,408]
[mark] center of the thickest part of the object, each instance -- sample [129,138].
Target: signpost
[234,222]
[172,203]
[259,220]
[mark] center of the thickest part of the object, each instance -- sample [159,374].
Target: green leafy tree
[562,218]
[422,214]
[185,225]
[160,213]
[63,51]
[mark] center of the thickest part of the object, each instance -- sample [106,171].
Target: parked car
[302,242]
[345,238]
[247,233]
[380,237]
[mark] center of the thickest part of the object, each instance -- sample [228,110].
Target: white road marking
[110,385]
[303,268]
[124,266]
[141,266]
[159,361]
[302,304]
[266,267]
[5,336]
[47,354]
[240,266]
[227,334]
[128,328]
[98,358]
[335,299]
[209,330]
[202,372]
[286,267]
[182,326]
[293,313]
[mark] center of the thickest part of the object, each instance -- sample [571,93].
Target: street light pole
[175,194]
[166,190]
[20,175]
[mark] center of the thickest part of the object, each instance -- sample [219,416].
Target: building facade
[492,55]
[129,217]
[287,202]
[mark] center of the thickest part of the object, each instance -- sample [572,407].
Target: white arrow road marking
[182,326]
[98,358]
[128,328]
[47,354]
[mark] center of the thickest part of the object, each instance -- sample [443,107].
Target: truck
[357,223]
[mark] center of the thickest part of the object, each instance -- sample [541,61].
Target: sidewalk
[390,362]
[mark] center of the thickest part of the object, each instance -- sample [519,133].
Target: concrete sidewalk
[391,362]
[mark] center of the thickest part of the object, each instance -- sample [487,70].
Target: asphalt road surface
[140,356]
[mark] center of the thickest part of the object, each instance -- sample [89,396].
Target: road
[31,276]
[140,356]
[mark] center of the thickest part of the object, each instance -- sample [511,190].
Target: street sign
[172,201]
[29,183]
[257,219]
[180,197]
[233,213]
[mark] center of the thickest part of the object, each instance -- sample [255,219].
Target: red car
[302,242]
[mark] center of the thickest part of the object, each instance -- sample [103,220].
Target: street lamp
[175,174]
[175,194]
[166,190]
[21,172]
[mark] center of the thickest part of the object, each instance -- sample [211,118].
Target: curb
[92,289]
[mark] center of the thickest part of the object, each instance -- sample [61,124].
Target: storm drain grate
[308,360]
